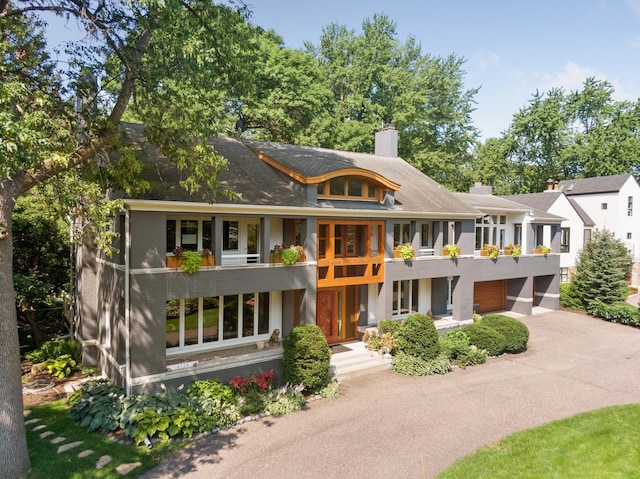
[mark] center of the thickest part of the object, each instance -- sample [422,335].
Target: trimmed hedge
[623,313]
[306,357]
[389,326]
[418,337]
[516,334]
[487,338]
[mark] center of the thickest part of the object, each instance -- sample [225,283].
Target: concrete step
[354,358]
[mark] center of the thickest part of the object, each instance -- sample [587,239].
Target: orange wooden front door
[327,312]
[336,316]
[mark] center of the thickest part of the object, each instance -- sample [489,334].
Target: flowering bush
[258,382]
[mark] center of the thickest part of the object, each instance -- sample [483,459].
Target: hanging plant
[192,262]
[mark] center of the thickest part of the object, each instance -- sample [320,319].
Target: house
[609,201]
[576,228]
[145,323]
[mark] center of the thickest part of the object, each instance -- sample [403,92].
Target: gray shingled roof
[586,219]
[598,184]
[261,184]
[541,201]
[484,202]
[418,192]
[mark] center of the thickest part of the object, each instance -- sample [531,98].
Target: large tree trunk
[14,455]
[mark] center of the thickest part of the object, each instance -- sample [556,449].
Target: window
[230,235]
[491,229]
[348,187]
[587,236]
[425,237]
[517,233]
[337,187]
[405,297]
[195,322]
[630,206]
[193,234]
[564,240]
[401,233]
[603,206]
[564,275]
[628,236]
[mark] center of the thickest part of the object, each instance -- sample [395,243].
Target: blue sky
[511,48]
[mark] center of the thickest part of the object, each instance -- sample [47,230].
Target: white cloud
[485,58]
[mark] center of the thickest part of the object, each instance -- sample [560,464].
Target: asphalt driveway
[389,425]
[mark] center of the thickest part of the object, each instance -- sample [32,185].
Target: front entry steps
[353,358]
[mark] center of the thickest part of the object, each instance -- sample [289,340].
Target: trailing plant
[516,333]
[417,366]
[406,251]
[492,251]
[542,249]
[289,256]
[306,357]
[515,250]
[418,337]
[192,262]
[452,250]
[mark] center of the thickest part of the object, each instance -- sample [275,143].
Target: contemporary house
[576,228]
[146,322]
[612,203]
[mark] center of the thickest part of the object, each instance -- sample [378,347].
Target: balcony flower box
[451,250]
[542,249]
[512,250]
[490,250]
[405,252]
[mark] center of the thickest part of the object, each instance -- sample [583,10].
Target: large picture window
[196,322]
[405,297]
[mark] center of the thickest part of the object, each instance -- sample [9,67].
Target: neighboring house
[145,323]
[612,202]
[576,228]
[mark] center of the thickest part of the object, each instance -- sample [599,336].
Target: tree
[172,62]
[376,80]
[602,267]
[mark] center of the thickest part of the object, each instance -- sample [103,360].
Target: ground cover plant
[598,444]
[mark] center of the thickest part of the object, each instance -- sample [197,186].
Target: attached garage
[490,295]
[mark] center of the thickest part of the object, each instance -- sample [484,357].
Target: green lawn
[47,463]
[598,444]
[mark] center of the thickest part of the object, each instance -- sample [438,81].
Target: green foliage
[306,357]
[602,268]
[455,346]
[406,252]
[487,338]
[96,405]
[389,326]
[623,312]
[211,389]
[569,298]
[418,337]
[331,390]
[516,333]
[286,400]
[289,256]
[53,349]
[62,366]
[418,366]
[191,262]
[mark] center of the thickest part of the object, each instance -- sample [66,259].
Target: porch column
[462,307]
[265,238]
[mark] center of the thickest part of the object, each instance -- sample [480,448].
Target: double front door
[337,313]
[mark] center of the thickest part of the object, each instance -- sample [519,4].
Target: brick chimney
[387,141]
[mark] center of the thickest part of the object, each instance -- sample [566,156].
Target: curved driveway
[389,425]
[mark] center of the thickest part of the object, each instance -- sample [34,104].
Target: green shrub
[471,357]
[211,388]
[454,343]
[306,357]
[516,333]
[388,326]
[623,313]
[331,390]
[417,366]
[53,349]
[569,298]
[418,337]
[487,338]
[97,405]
